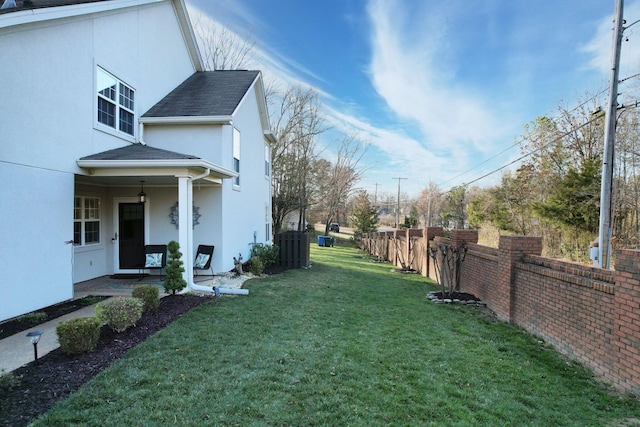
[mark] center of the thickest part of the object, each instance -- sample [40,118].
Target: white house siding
[36,222]
[47,117]
[243,214]
[229,216]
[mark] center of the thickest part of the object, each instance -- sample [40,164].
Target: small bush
[9,381]
[34,318]
[120,313]
[150,296]
[268,254]
[77,336]
[256,266]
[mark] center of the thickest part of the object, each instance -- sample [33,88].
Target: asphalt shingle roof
[206,94]
[139,152]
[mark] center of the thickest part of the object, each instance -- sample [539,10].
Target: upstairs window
[236,156]
[116,102]
[267,161]
[86,221]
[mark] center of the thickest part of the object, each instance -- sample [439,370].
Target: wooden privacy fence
[294,249]
[586,313]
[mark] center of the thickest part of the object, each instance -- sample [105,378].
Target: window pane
[106,85]
[91,232]
[106,113]
[92,208]
[126,96]
[77,233]
[236,168]
[77,208]
[126,121]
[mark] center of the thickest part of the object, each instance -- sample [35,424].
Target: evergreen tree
[174,281]
[576,200]
[364,218]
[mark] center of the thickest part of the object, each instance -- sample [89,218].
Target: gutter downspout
[217,291]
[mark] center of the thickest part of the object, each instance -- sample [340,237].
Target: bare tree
[221,48]
[429,204]
[337,180]
[296,122]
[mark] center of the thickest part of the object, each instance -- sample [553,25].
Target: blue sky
[436,87]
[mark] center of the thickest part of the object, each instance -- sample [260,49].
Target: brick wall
[588,314]
[570,306]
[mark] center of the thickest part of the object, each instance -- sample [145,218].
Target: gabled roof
[138,152]
[206,94]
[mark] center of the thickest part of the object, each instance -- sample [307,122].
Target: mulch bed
[455,297]
[14,326]
[55,376]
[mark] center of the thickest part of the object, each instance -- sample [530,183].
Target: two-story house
[113,137]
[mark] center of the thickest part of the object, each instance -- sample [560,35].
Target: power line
[524,156]
[524,138]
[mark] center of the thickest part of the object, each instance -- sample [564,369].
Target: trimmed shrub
[150,296]
[256,266]
[268,254]
[34,318]
[173,281]
[120,313]
[77,336]
[9,381]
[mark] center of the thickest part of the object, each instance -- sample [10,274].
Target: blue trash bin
[321,240]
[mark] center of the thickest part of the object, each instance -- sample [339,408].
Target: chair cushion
[153,260]
[201,260]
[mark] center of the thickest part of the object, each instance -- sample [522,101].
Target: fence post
[428,235]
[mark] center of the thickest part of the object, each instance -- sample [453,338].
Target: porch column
[185,226]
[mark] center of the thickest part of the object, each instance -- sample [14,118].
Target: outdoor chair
[155,257]
[204,255]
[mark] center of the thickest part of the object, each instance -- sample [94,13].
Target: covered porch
[147,197]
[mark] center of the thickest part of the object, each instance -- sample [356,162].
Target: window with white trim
[115,103]
[267,160]
[86,221]
[236,156]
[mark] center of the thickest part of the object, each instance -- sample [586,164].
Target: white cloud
[600,47]
[411,70]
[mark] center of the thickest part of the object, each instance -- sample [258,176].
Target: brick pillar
[510,251]
[626,333]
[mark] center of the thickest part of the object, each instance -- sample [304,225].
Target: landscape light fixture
[34,337]
[142,196]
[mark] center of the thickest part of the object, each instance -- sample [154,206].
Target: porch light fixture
[34,337]
[142,196]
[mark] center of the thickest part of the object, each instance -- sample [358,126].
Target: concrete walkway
[17,350]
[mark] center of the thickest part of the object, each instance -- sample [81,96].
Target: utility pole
[398,208]
[604,235]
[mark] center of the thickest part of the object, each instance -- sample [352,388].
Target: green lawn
[346,342]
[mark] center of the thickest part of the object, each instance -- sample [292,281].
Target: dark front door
[131,231]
